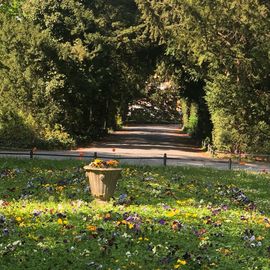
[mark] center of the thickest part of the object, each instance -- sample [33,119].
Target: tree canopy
[225,44]
[72,65]
[69,68]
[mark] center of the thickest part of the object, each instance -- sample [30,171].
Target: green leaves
[74,63]
[227,46]
[95,56]
[10,7]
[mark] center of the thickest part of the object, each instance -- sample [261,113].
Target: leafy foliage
[227,46]
[72,64]
[80,64]
[10,7]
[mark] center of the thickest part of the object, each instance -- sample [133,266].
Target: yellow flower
[91,228]
[112,163]
[181,262]
[59,188]
[141,239]
[173,213]
[191,215]
[224,251]
[19,219]
[60,221]
[130,225]
[218,223]
[99,163]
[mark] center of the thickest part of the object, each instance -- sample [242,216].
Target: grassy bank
[160,218]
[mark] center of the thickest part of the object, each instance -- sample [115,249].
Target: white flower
[252,238]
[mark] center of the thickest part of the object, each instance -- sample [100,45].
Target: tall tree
[78,66]
[226,44]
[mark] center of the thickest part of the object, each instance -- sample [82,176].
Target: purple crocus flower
[162,221]
[224,207]
[166,207]
[36,213]
[216,211]
[137,227]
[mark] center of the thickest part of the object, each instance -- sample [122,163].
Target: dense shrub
[20,130]
[185,109]
[17,130]
[60,61]
[57,138]
[190,116]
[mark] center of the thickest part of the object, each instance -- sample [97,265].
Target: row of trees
[220,53]
[68,68]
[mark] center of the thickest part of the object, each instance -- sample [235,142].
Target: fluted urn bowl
[102,181]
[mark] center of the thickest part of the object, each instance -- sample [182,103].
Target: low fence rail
[164,159]
[213,151]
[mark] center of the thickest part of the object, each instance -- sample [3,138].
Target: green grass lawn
[160,218]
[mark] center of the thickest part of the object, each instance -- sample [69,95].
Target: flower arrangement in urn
[99,163]
[103,176]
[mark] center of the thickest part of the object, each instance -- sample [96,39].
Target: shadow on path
[146,145]
[147,139]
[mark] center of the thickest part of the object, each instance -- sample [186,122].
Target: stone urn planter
[102,181]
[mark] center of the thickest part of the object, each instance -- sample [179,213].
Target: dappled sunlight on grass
[160,218]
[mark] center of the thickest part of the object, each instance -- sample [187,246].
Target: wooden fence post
[165,160]
[230,163]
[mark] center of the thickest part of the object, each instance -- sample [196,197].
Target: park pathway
[147,141]
[134,143]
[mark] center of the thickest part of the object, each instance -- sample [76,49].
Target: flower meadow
[160,218]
